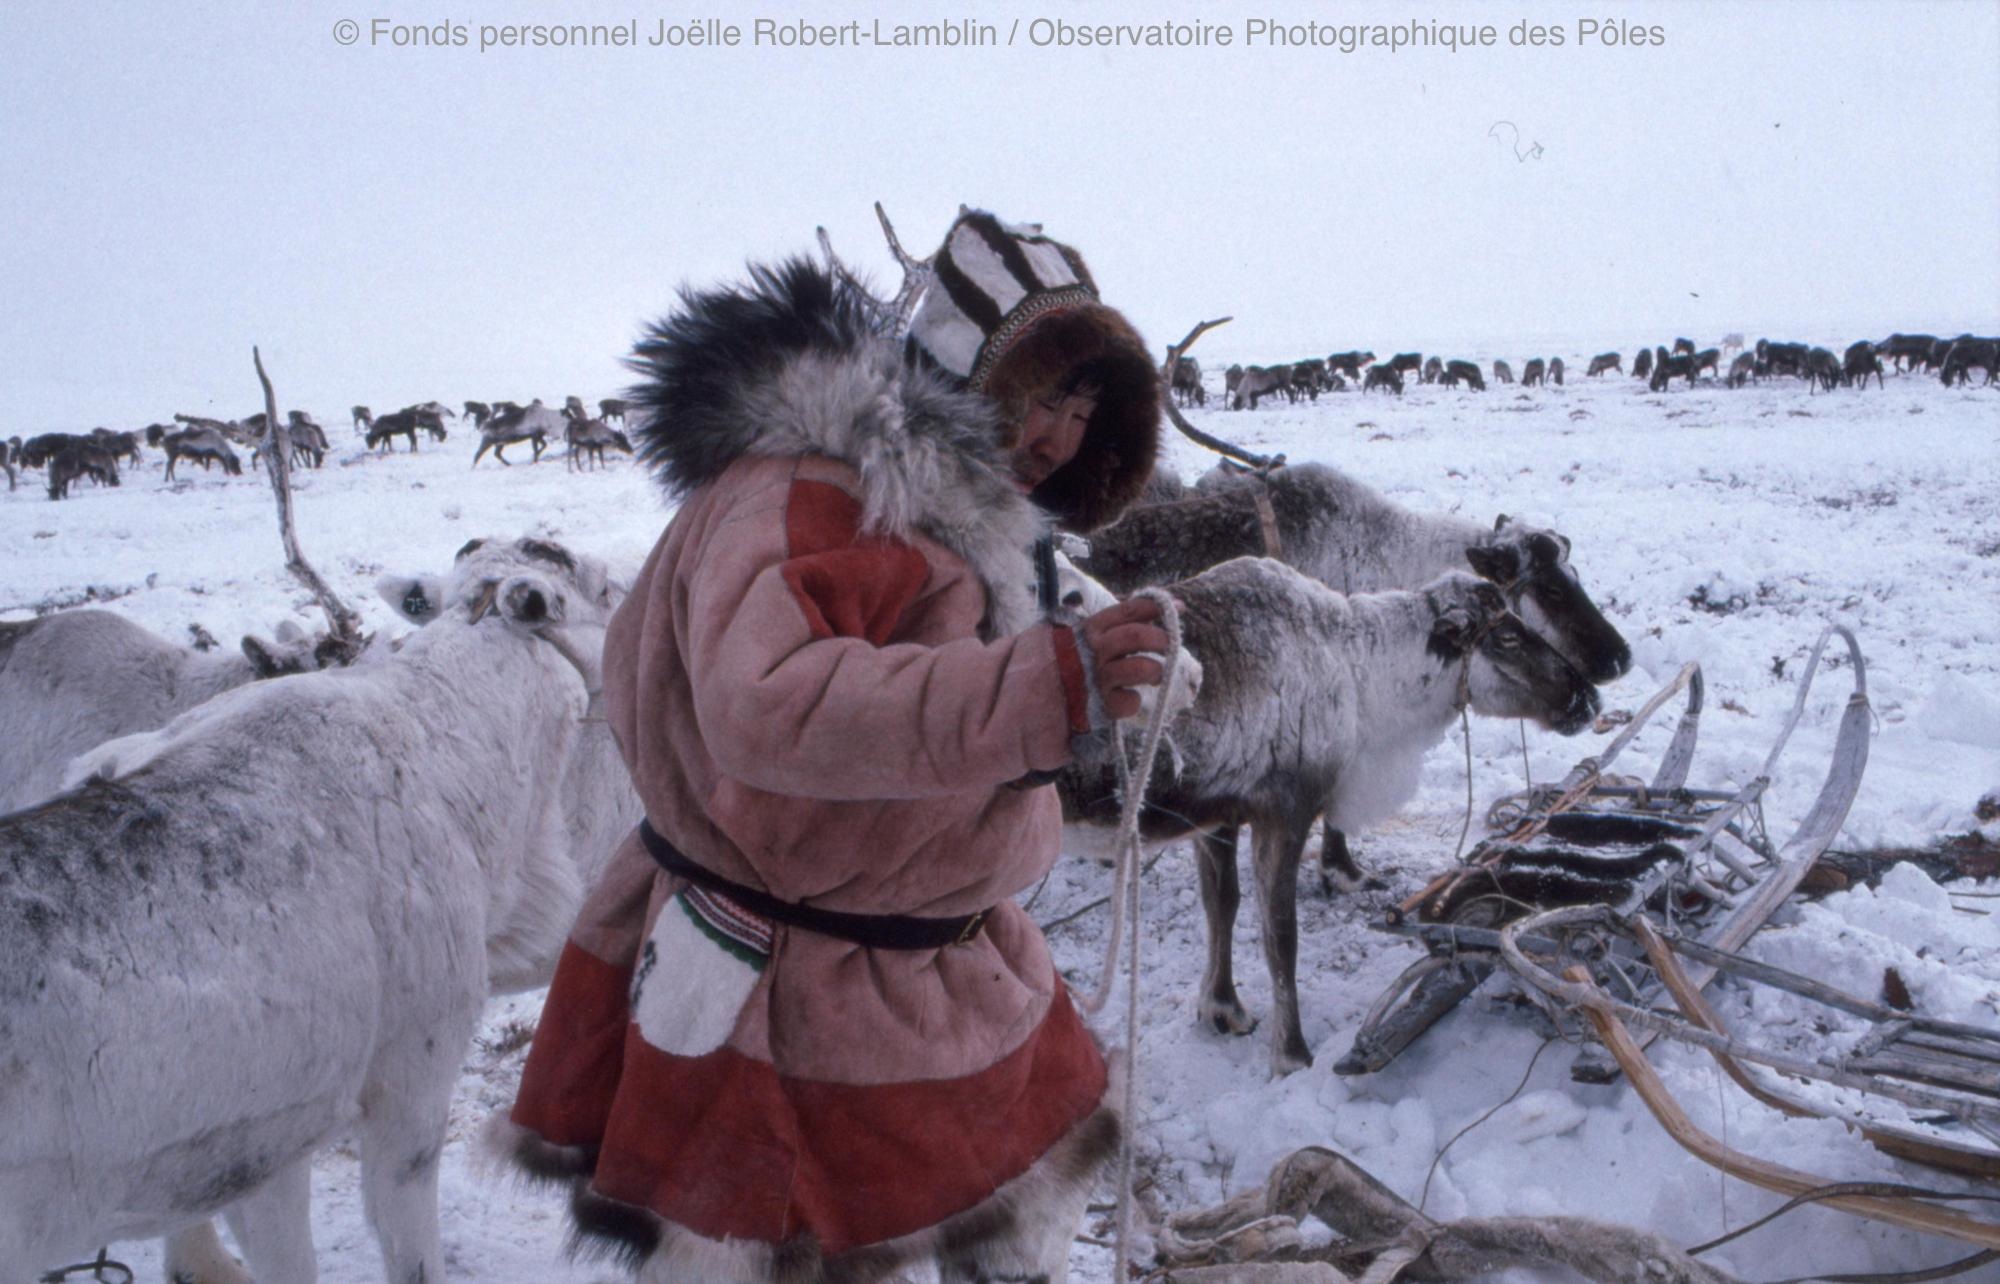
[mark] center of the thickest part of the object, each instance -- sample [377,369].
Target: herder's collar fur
[793,364]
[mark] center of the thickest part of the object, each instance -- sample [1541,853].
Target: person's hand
[1115,637]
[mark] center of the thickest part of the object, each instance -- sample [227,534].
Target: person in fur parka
[801,1031]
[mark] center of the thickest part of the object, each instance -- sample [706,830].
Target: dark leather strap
[874,931]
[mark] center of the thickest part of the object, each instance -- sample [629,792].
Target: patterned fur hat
[1010,314]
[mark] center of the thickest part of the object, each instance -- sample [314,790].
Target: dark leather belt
[875,931]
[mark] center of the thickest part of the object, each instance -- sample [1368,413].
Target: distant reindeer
[205,446]
[1642,365]
[1187,387]
[385,428]
[613,408]
[1383,377]
[1433,370]
[364,418]
[1861,361]
[1907,351]
[478,412]
[1605,361]
[513,423]
[1502,372]
[1531,374]
[1463,371]
[83,459]
[1349,363]
[1556,371]
[588,439]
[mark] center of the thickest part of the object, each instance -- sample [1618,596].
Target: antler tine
[1263,463]
[917,273]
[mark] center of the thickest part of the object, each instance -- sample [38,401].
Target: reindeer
[81,459]
[1351,538]
[513,423]
[1556,371]
[1665,367]
[1502,372]
[1433,370]
[1605,361]
[42,447]
[1860,361]
[1313,701]
[1969,353]
[1383,377]
[1642,365]
[1349,363]
[1708,359]
[119,445]
[141,1097]
[1741,369]
[613,408]
[1466,371]
[1187,387]
[1531,374]
[1259,381]
[363,419]
[1907,350]
[588,439]
[75,679]
[383,431]
[205,446]
[478,412]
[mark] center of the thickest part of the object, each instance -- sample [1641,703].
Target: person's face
[1050,437]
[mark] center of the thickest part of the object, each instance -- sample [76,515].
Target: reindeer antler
[917,274]
[1262,463]
[345,640]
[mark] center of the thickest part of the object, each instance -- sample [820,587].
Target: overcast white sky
[396,224]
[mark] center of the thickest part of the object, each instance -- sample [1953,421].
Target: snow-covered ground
[1715,526]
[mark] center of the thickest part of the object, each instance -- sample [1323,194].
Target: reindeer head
[530,583]
[1508,672]
[1531,566]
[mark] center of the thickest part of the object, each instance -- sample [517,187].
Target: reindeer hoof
[1284,1060]
[1227,1018]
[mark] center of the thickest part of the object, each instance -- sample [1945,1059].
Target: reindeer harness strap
[1267,523]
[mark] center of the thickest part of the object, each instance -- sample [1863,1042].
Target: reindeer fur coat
[828,684]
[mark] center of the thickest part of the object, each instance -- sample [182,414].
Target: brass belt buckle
[972,926]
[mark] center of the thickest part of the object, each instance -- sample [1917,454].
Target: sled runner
[1699,862]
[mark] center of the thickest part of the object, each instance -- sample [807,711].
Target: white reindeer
[277,919]
[73,680]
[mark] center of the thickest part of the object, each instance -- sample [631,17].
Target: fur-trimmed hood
[794,362]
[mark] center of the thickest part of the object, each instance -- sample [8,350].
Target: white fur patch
[691,988]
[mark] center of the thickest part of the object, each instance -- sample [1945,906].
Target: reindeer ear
[415,597]
[1544,548]
[1500,563]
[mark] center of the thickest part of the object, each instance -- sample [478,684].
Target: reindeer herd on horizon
[1953,360]
[215,443]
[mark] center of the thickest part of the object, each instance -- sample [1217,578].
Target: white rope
[1132,781]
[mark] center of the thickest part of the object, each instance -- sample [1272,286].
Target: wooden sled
[1699,861]
[1949,1071]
